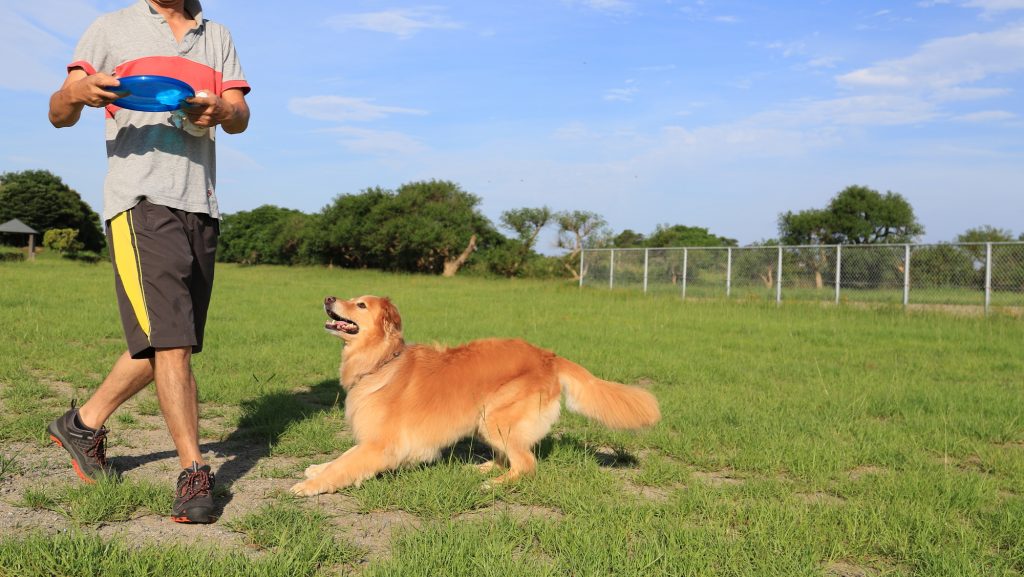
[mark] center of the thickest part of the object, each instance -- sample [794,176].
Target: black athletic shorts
[163,259]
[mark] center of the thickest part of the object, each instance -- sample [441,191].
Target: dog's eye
[361,305]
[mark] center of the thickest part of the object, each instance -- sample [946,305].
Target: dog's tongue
[340,326]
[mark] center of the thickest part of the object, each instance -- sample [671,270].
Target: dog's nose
[330,300]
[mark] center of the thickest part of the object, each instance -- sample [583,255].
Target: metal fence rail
[984,275]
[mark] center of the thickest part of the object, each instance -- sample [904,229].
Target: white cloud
[987,116]
[608,6]
[991,7]
[946,63]
[823,62]
[620,94]
[403,23]
[377,142]
[787,49]
[344,109]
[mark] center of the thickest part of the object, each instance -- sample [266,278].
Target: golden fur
[405,403]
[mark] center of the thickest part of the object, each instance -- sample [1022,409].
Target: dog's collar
[361,376]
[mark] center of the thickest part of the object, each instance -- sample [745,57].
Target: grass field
[797,440]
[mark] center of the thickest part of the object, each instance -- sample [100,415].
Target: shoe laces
[197,483]
[98,448]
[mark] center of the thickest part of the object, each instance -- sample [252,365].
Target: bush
[10,254]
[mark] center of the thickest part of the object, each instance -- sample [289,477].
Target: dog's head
[365,317]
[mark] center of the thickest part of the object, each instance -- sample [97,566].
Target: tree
[807,227]
[578,229]
[757,265]
[41,200]
[1007,262]
[426,226]
[629,239]
[265,235]
[856,215]
[527,224]
[430,226]
[340,233]
[62,240]
[861,215]
[985,233]
[982,234]
[682,235]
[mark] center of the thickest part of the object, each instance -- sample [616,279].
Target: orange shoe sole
[74,464]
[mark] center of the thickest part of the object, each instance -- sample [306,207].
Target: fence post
[906,275]
[646,251]
[728,274]
[778,279]
[839,268]
[583,253]
[988,275]
[686,254]
[611,269]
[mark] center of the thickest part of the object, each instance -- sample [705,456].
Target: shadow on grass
[471,450]
[263,421]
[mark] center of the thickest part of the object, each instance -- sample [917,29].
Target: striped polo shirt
[147,155]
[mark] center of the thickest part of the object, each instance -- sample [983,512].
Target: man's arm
[78,91]
[229,110]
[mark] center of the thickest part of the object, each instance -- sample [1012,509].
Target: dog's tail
[615,405]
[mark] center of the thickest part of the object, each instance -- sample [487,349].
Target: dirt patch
[864,471]
[721,478]
[820,498]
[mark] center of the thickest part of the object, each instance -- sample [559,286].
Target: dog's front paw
[311,487]
[314,470]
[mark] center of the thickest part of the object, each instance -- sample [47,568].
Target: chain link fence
[973,275]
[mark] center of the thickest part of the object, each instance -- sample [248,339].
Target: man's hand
[78,91]
[97,90]
[229,110]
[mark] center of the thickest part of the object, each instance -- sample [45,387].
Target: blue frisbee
[150,93]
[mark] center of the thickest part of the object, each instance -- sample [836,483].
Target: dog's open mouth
[340,324]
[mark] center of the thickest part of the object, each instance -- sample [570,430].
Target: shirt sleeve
[231,69]
[93,53]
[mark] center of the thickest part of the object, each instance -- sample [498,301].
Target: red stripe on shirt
[199,76]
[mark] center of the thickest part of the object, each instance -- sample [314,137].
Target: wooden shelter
[15,226]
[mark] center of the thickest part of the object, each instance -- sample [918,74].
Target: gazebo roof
[15,225]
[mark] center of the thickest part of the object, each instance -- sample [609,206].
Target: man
[161,213]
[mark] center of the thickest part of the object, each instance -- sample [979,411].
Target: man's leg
[80,430]
[125,380]
[179,401]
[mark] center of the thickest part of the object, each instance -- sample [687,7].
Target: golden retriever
[405,403]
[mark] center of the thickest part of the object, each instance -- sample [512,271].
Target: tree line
[436,227]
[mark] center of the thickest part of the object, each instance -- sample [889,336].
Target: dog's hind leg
[513,431]
[351,468]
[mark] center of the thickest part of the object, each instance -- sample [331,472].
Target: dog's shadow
[471,450]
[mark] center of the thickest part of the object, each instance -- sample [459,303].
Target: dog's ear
[390,320]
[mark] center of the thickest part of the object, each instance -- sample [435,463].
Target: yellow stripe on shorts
[126,260]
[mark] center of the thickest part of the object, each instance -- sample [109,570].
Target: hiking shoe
[88,447]
[193,500]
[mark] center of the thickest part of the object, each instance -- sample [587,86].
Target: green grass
[105,501]
[793,437]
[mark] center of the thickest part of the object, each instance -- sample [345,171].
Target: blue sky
[720,114]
